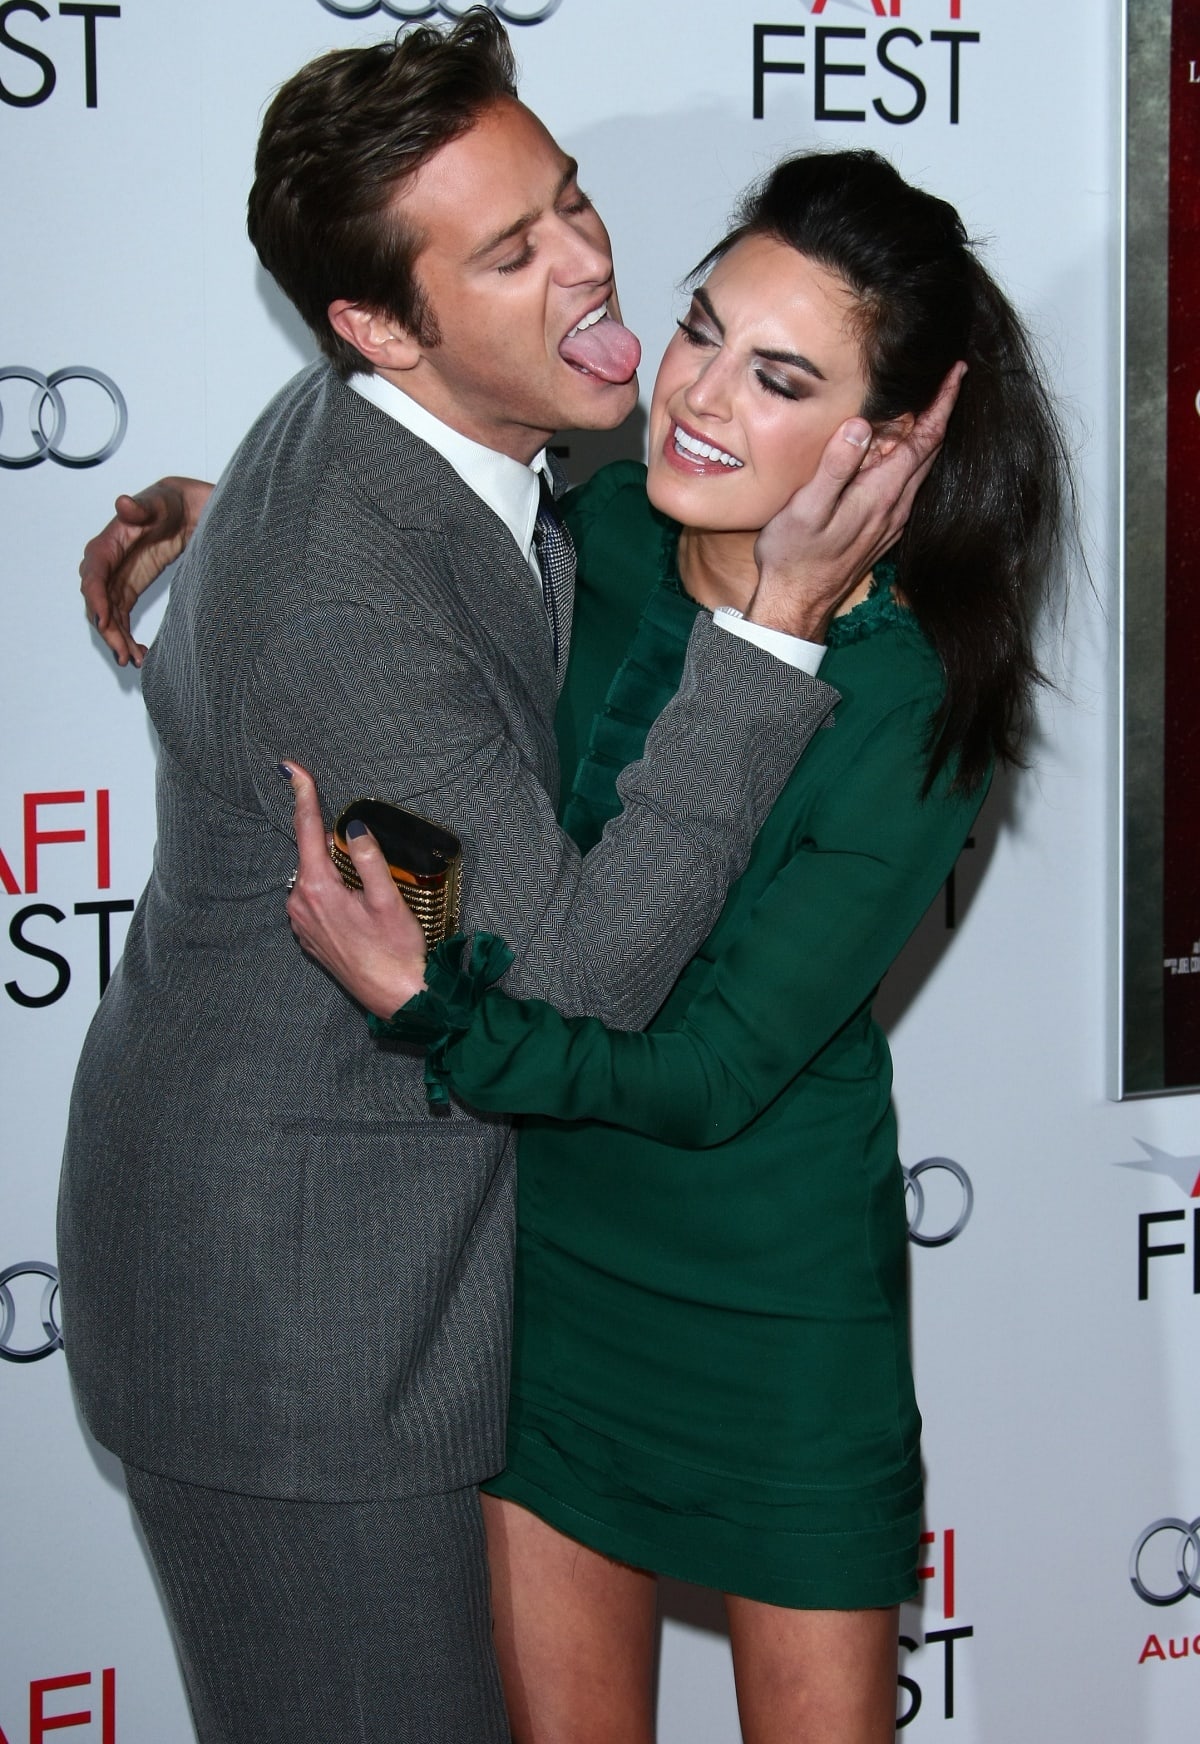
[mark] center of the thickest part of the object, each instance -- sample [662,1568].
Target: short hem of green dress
[859,1591]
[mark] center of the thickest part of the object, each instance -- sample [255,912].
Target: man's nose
[585,259]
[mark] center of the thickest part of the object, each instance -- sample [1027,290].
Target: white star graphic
[1184,1171]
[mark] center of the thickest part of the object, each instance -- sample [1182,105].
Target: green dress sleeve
[813,949]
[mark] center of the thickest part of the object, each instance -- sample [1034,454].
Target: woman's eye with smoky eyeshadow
[783,390]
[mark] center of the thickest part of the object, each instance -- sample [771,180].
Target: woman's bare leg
[575,1634]
[814,1677]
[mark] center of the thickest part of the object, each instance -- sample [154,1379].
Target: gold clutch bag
[424,859]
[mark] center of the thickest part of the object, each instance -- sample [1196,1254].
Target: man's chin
[600,405]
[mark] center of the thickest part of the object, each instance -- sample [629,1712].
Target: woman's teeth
[589,321]
[697,450]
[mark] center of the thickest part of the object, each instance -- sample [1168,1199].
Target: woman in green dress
[711,1373]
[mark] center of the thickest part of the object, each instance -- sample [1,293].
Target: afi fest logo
[511,11]
[1164,1569]
[26,57]
[29,1328]
[1185,1172]
[101,1693]
[33,931]
[84,434]
[939,1568]
[940,1201]
[850,69]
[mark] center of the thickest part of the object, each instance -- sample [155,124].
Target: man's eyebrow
[527,218]
[796,358]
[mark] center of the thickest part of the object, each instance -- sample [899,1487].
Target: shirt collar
[508,487]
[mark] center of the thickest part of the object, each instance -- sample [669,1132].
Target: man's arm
[607,935]
[376,704]
[148,532]
[845,518]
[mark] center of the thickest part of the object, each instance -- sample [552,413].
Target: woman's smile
[691,453]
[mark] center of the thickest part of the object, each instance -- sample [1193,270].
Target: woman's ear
[379,338]
[885,437]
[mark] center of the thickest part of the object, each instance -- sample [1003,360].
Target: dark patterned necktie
[556,559]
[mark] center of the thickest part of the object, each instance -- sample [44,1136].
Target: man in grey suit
[286,1284]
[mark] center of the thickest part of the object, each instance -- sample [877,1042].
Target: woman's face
[763,369]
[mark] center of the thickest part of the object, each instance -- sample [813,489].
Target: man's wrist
[801,652]
[780,609]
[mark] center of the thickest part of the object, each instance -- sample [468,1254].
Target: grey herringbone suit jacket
[281,1274]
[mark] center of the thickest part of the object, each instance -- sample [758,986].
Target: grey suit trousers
[331,1623]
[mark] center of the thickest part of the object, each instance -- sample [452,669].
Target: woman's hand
[824,542]
[370,941]
[148,531]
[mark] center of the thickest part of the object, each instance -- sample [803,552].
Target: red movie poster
[1181,748]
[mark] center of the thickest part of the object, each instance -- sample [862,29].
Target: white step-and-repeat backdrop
[1056,1254]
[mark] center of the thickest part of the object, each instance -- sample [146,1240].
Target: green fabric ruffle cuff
[456,979]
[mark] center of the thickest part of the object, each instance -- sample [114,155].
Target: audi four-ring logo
[48,417]
[919,1215]
[47,1338]
[1186,1567]
[532,13]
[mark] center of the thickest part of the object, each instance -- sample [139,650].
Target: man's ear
[380,338]
[886,437]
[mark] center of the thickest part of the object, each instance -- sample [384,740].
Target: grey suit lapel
[414,487]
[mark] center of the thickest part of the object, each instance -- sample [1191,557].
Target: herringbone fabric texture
[360,1622]
[281,1275]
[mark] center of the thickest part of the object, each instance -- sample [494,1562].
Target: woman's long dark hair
[985,532]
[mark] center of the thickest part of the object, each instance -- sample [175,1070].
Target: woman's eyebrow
[796,358]
[701,296]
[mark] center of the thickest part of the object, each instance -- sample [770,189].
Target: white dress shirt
[508,487]
[511,490]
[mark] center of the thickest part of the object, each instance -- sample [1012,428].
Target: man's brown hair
[339,139]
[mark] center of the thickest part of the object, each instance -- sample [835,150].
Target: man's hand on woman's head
[823,543]
[148,531]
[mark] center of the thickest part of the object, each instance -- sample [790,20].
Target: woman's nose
[708,392]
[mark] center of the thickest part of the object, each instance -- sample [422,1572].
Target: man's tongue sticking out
[604,348]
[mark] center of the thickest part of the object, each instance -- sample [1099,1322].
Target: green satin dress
[711,1375]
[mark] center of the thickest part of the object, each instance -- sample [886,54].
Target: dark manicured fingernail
[116,656]
[284,771]
[96,619]
[355,828]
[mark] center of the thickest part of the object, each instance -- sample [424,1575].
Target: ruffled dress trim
[649,676]
[642,686]
[456,980]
